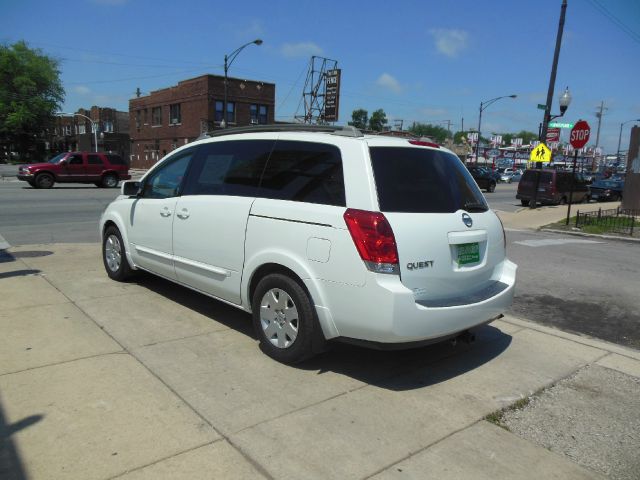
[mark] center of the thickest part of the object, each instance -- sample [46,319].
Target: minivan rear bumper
[385,311]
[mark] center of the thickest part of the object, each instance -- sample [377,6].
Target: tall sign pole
[579,137]
[552,78]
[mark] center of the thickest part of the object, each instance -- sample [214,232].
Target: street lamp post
[483,106]
[552,78]
[620,136]
[93,126]
[228,60]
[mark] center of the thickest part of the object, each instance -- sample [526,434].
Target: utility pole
[552,78]
[599,116]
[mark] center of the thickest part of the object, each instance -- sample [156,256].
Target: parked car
[554,187]
[483,177]
[102,169]
[606,190]
[506,177]
[320,233]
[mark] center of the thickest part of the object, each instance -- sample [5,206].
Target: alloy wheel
[279,318]
[113,253]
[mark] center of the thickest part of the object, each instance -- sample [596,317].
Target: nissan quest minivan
[320,233]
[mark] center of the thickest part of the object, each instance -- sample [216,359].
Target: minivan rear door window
[420,180]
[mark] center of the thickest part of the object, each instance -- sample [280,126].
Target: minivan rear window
[418,180]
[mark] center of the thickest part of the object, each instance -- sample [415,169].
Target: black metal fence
[616,220]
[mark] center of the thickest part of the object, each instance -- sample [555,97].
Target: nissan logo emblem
[466,219]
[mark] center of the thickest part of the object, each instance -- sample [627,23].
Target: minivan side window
[304,172]
[228,168]
[166,180]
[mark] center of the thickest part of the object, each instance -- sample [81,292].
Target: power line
[615,20]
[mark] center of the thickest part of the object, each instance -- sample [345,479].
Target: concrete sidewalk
[145,379]
[526,218]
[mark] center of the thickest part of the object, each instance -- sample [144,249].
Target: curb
[594,235]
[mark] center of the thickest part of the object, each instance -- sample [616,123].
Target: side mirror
[131,188]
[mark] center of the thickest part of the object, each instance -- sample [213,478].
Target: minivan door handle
[184,214]
[165,212]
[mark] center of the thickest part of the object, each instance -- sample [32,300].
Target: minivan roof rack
[346,131]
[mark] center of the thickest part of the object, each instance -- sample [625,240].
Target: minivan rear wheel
[283,318]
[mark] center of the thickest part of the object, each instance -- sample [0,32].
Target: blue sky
[420,61]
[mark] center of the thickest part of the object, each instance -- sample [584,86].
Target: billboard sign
[553,135]
[332,95]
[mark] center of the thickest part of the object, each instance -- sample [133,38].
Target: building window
[145,114]
[262,114]
[81,129]
[107,127]
[156,116]
[138,118]
[231,111]
[174,114]
[258,114]
[67,129]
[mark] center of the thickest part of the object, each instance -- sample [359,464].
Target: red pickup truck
[102,169]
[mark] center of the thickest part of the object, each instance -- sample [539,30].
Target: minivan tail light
[374,240]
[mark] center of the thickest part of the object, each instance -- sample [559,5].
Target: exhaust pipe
[465,337]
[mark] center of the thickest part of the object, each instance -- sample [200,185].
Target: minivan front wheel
[114,256]
[283,318]
[492,187]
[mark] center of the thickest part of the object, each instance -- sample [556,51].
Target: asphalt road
[582,287]
[577,284]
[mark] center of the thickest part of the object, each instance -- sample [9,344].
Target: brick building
[169,118]
[73,132]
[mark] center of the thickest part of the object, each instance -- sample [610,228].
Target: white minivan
[320,233]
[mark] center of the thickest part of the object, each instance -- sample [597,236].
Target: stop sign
[580,134]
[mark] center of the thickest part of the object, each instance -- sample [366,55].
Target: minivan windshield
[420,180]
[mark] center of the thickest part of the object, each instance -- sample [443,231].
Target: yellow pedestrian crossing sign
[540,154]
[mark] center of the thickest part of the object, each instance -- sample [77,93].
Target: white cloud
[255,29]
[387,81]
[450,42]
[301,49]
[81,90]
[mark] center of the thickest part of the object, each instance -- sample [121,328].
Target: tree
[458,136]
[378,120]
[526,137]
[436,132]
[30,93]
[359,119]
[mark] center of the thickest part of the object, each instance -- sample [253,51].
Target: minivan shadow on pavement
[396,370]
[11,467]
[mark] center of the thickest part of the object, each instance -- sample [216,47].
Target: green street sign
[560,125]
[541,106]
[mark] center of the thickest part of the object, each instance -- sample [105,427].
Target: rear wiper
[475,207]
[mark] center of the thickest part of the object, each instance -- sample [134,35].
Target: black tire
[114,257]
[524,203]
[492,187]
[275,335]
[110,180]
[44,180]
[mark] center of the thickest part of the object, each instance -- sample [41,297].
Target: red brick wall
[197,98]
